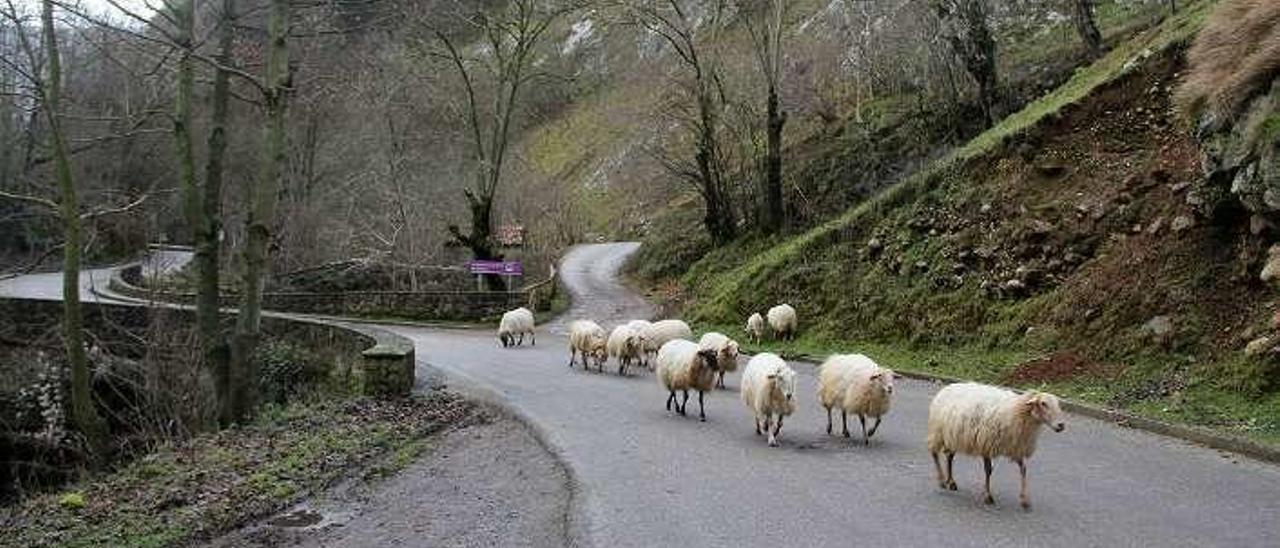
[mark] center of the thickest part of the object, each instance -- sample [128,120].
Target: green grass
[197,489]
[1203,401]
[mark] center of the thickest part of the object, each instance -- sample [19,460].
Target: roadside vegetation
[1075,246]
[195,489]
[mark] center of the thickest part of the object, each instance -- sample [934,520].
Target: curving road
[642,477]
[646,478]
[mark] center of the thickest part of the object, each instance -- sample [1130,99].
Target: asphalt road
[643,477]
[647,478]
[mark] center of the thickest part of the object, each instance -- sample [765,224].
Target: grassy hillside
[1062,248]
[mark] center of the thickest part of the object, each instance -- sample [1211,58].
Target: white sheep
[768,389]
[782,320]
[627,345]
[660,332]
[587,338]
[516,322]
[726,353]
[643,327]
[989,422]
[682,366]
[855,384]
[755,327]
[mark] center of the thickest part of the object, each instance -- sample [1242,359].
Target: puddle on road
[297,518]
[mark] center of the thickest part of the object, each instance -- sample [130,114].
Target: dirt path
[490,484]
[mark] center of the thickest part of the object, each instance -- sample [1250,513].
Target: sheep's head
[635,341]
[784,382]
[728,353]
[505,338]
[882,380]
[709,359]
[1044,407]
[598,349]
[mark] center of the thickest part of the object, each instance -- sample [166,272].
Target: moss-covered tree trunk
[208,227]
[261,215]
[83,413]
[773,213]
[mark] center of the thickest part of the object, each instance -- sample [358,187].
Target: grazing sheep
[989,422]
[755,327]
[643,327]
[782,319]
[587,338]
[627,345]
[516,322]
[726,353]
[768,388]
[856,385]
[682,366]
[660,332]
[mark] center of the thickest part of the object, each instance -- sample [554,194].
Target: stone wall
[375,361]
[411,305]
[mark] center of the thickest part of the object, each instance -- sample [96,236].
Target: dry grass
[1234,58]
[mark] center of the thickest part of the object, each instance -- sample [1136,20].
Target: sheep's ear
[876,376]
[771,376]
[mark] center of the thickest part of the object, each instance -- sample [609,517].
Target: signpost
[500,268]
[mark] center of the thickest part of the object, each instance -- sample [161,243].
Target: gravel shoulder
[488,484]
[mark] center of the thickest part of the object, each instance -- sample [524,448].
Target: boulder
[1158,326]
[1181,223]
[1271,270]
[1259,346]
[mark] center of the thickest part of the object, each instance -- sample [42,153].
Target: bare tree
[261,212]
[510,38]
[966,28]
[671,22]
[767,39]
[49,89]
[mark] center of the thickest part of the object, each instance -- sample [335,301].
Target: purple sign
[504,268]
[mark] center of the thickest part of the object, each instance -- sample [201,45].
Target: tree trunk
[971,39]
[719,217]
[773,214]
[208,227]
[83,414]
[244,374]
[1082,17]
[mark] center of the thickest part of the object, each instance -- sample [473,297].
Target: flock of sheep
[967,418]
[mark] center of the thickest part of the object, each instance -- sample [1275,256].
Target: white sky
[100,7]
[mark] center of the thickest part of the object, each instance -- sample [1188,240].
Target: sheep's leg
[828,421]
[874,427]
[951,475]
[757,418]
[1022,496]
[865,439]
[670,399]
[773,436]
[684,405]
[986,467]
[521,340]
[702,413]
[720,380]
[533,339]
[937,466]
[844,421]
[572,352]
